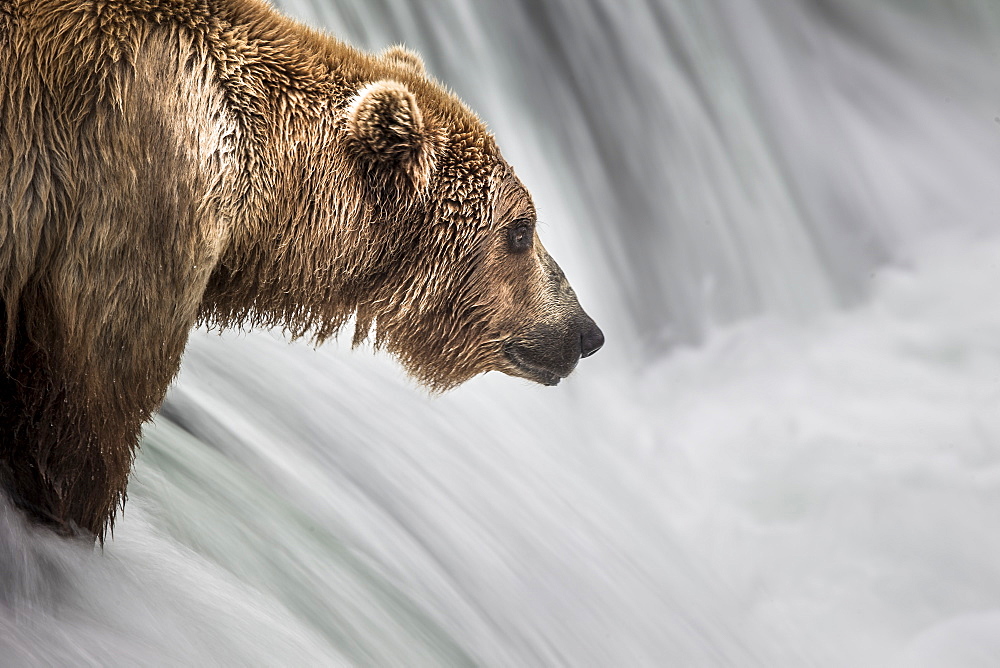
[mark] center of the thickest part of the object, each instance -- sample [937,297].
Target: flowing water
[784,217]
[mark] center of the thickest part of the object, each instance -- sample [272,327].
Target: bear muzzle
[547,354]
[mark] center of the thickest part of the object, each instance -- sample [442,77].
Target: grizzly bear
[165,163]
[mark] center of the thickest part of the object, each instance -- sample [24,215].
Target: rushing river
[785,217]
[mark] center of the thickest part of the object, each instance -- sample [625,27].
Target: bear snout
[548,354]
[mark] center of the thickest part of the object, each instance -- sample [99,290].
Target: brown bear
[170,162]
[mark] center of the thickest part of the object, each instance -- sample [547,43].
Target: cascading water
[788,454]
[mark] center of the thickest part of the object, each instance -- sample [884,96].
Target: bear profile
[165,163]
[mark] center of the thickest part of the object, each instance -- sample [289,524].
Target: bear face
[544,329]
[477,291]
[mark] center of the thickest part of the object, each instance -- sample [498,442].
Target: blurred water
[788,454]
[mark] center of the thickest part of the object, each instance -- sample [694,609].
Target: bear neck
[304,245]
[307,243]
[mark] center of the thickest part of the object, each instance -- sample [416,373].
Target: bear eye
[519,236]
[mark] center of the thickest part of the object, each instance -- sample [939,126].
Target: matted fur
[165,162]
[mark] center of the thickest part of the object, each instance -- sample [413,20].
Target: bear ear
[400,55]
[386,127]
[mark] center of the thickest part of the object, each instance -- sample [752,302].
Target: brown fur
[164,162]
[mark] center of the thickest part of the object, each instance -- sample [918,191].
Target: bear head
[469,287]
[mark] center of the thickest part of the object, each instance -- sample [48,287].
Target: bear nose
[591,338]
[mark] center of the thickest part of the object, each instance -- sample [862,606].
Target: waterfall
[783,217]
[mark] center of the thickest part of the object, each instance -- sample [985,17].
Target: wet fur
[164,163]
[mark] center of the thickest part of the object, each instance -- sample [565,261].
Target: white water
[806,194]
